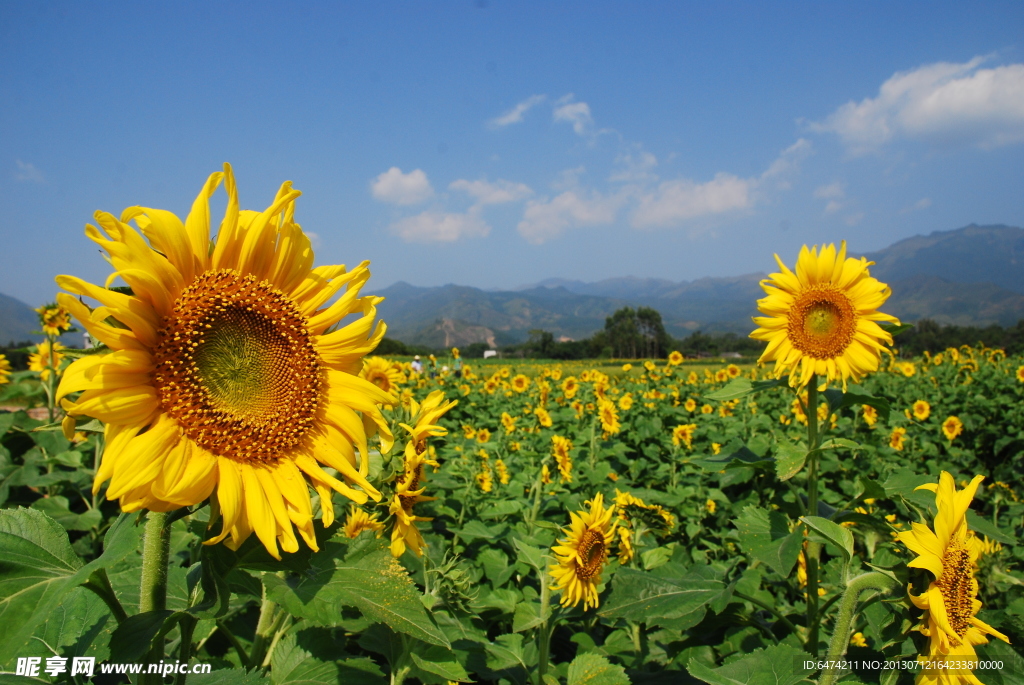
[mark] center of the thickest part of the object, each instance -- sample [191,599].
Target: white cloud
[496,193]
[27,172]
[635,167]
[547,219]
[674,202]
[787,164]
[834,193]
[402,189]
[923,203]
[943,102]
[515,115]
[314,239]
[440,227]
[575,113]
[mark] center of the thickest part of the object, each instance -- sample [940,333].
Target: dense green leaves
[767,537]
[776,665]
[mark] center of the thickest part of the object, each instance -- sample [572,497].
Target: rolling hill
[969,276]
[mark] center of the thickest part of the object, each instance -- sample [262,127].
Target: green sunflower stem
[847,611]
[156,549]
[266,626]
[545,629]
[813,550]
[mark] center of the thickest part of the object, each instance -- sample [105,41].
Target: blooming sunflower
[222,379]
[409,486]
[675,358]
[520,383]
[382,373]
[609,417]
[560,448]
[1020,374]
[683,435]
[483,435]
[690,405]
[922,410]
[502,471]
[899,434]
[45,358]
[581,555]
[870,415]
[569,387]
[359,520]
[950,553]
[952,427]
[508,422]
[823,318]
[54,319]
[543,417]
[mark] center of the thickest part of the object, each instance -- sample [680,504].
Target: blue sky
[496,144]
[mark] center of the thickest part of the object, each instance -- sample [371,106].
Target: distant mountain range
[969,276]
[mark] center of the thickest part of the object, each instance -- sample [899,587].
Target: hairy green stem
[847,606]
[186,626]
[813,551]
[156,549]
[265,628]
[545,629]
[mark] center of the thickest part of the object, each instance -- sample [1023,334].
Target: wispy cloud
[27,172]
[834,193]
[402,189]
[575,113]
[440,227]
[547,219]
[486,193]
[515,115]
[945,103]
[676,201]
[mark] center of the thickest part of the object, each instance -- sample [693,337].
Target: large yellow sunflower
[409,487]
[221,378]
[950,553]
[823,318]
[581,555]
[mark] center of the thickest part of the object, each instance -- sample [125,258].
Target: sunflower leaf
[369,579]
[789,459]
[832,533]
[38,568]
[647,597]
[741,387]
[765,535]
[777,665]
[594,669]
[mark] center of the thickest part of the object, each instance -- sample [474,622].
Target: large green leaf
[776,665]
[440,663]
[38,569]
[594,669]
[823,530]
[765,535]
[293,665]
[369,579]
[741,387]
[647,597]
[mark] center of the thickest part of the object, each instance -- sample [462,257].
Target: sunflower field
[229,487]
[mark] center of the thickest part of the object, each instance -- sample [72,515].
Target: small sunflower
[952,427]
[822,319]
[520,383]
[733,371]
[569,387]
[508,422]
[609,417]
[582,554]
[409,486]
[950,553]
[545,474]
[675,358]
[5,369]
[483,435]
[543,417]
[683,435]
[922,410]
[560,448]
[224,377]
[383,374]
[54,319]
[626,402]
[897,437]
[870,415]
[45,358]
[1020,374]
[359,520]
[690,405]
[502,471]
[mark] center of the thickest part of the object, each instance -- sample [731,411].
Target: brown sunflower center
[822,322]
[592,554]
[407,500]
[957,588]
[236,368]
